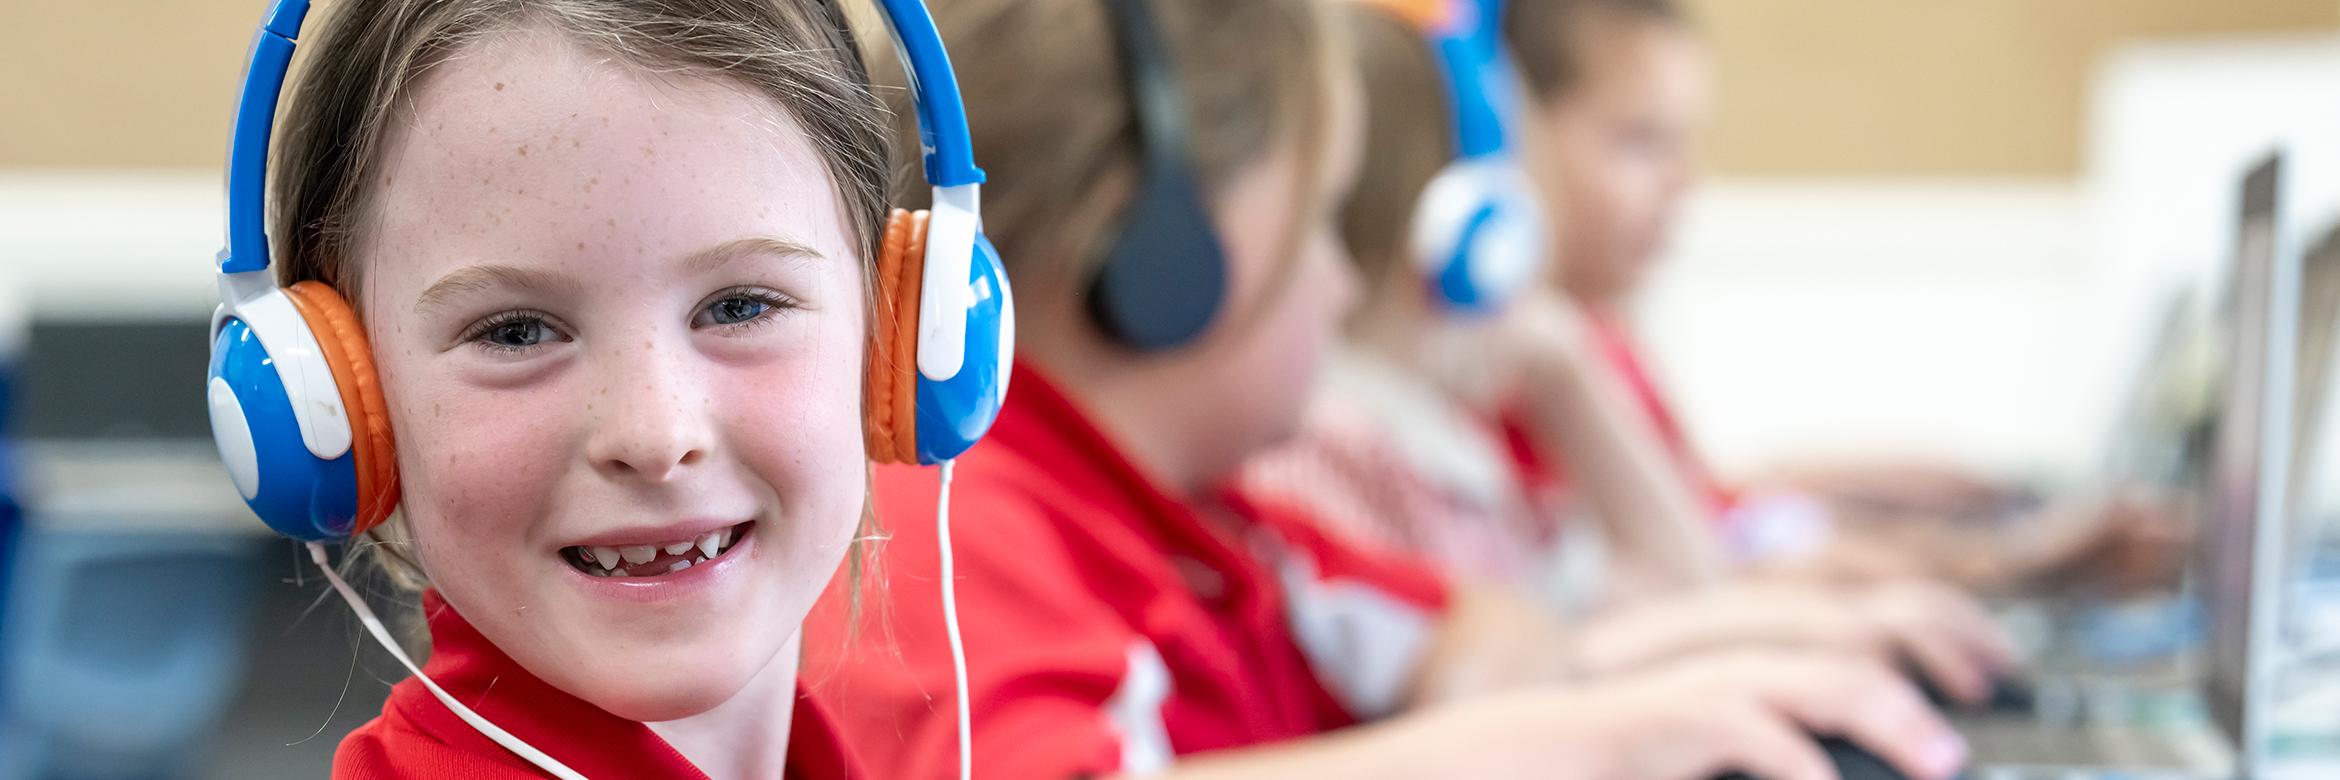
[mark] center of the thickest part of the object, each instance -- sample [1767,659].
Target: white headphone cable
[950,603]
[381,634]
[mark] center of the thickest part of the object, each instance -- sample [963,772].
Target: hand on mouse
[1938,629]
[1749,711]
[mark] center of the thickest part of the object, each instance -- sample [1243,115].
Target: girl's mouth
[652,560]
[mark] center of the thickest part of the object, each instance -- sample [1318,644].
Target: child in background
[1395,451]
[1618,89]
[1166,181]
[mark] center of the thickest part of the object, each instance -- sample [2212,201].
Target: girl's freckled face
[580,341]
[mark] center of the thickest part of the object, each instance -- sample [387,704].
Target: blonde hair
[368,53]
[1049,110]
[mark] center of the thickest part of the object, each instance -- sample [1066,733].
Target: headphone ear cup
[890,382]
[343,340]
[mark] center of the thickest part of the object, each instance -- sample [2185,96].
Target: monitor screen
[2240,450]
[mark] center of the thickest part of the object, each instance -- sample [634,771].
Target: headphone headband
[942,122]
[1153,89]
[942,119]
[247,166]
[1467,44]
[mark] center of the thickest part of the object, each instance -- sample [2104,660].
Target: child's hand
[1756,712]
[1543,333]
[2127,544]
[1940,631]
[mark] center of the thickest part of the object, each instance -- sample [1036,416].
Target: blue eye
[739,308]
[731,311]
[513,332]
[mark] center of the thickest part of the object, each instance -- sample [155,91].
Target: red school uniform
[1544,472]
[1109,625]
[418,737]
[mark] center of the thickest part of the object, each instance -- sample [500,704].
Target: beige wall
[120,83]
[1935,87]
[1808,87]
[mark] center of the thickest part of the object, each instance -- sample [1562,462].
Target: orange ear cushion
[890,385]
[1422,14]
[344,341]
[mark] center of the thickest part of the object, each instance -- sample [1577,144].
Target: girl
[611,262]
[1618,88]
[1168,173]
[1394,450]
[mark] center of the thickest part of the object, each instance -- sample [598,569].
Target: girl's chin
[649,699]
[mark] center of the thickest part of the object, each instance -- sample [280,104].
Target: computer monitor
[2238,558]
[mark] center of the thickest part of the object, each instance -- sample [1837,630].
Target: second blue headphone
[1478,227]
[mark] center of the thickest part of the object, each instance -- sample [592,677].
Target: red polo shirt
[1545,472]
[1109,625]
[418,737]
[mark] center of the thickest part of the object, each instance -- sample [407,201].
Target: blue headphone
[1478,229]
[298,415]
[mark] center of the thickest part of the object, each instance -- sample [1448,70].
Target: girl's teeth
[613,558]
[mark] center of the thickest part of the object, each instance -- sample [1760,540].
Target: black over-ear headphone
[1165,277]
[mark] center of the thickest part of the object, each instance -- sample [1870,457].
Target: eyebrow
[482,277]
[714,257]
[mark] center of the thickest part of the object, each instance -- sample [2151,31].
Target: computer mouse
[2009,695]
[1851,761]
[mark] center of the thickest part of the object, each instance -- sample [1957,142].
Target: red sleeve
[1046,652]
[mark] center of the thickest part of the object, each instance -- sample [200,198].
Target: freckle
[580,246]
[499,86]
[576,144]
[524,150]
[613,223]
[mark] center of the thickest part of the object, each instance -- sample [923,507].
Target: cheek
[800,432]
[477,469]
[1288,342]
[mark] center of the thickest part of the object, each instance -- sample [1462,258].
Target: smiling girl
[612,265]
